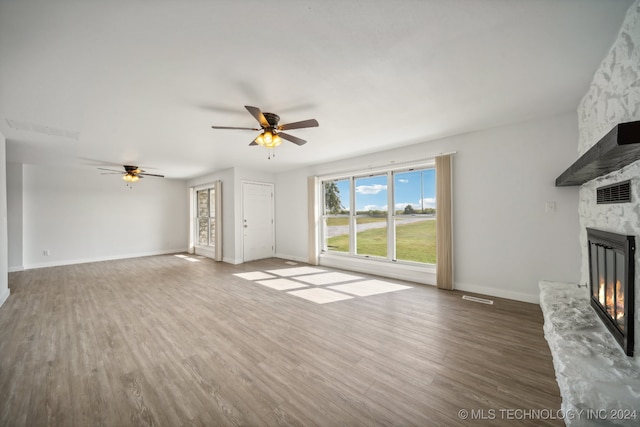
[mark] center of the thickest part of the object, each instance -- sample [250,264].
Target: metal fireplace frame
[620,244]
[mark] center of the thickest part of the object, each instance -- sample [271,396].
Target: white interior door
[257,220]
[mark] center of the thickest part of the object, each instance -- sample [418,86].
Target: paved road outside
[339,230]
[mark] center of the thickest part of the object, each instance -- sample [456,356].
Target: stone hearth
[597,381]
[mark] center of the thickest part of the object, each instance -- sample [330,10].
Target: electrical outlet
[46,252]
[550,207]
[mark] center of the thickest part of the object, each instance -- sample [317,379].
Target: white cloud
[429,202]
[370,189]
[404,181]
[375,208]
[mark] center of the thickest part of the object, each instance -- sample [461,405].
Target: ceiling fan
[131,173]
[272,134]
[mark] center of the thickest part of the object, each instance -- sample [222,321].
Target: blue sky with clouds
[416,188]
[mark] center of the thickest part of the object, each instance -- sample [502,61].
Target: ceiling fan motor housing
[273,119]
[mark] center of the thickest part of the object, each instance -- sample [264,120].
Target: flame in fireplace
[601,296]
[606,298]
[619,300]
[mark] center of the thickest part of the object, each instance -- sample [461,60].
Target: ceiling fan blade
[233,127]
[311,123]
[255,112]
[292,138]
[149,174]
[110,170]
[253,142]
[112,173]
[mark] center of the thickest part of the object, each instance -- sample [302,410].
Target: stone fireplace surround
[613,98]
[599,384]
[593,372]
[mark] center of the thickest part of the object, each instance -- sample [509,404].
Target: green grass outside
[415,242]
[343,220]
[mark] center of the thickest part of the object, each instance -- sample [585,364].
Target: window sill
[381,267]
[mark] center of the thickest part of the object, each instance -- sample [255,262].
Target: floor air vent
[614,193]
[476,299]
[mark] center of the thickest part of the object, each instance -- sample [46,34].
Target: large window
[388,215]
[371,215]
[415,215]
[336,215]
[206,221]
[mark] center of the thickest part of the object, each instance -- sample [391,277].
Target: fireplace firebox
[611,270]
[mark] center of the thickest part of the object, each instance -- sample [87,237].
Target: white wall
[82,216]
[504,240]
[291,215]
[4,266]
[14,217]
[612,98]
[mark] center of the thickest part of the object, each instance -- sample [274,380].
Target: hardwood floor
[167,342]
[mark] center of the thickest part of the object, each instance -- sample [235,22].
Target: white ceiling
[141,82]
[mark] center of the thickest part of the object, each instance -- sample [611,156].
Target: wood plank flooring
[160,341]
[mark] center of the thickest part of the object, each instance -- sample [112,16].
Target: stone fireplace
[592,370]
[608,173]
[613,98]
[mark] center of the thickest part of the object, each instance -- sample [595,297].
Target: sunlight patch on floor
[281,284]
[254,275]
[369,287]
[327,278]
[319,295]
[296,271]
[302,277]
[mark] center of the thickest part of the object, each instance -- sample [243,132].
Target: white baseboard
[231,261]
[4,296]
[14,269]
[100,259]
[291,258]
[422,275]
[499,293]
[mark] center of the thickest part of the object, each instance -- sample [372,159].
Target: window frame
[390,172]
[211,242]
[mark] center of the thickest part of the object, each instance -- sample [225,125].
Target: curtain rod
[371,168]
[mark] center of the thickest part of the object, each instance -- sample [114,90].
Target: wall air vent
[614,193]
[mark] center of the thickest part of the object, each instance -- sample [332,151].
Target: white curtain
[218,222]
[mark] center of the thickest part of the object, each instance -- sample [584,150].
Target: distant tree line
[334,206]
[410,210]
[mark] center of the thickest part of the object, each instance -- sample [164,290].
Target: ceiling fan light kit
[272,134]
[131,174]
[268,139]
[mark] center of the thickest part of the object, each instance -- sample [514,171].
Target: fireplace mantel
[617,149]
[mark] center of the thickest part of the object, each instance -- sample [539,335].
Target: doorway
[257,220]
